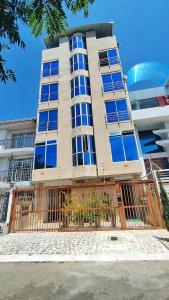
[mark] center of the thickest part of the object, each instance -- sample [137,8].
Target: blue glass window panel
[76,91]
[117,149]
[79,144]
[80,159]
[89,109]
[73,145]
[51,142]
[123,114]
[39,157]
[46,69]
[78,121]
[86,158]
[93,158]
[85,62]
[78,109]
[72,84]
[82,90]
[73,123]
[130,147]
[90,120]
[117,81]
[44,93]
[84,120]
[107,83]
[82,80]
[54,91]
[43,119]
[76,80]
[111,111]
[112,56]
[74,160]
[51,156]
[71,64]
[54,68]
[83,108]
[53,120]
[92,143]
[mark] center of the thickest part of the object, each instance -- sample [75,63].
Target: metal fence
[16,175]
[4,200]
[19,142]
[131,205]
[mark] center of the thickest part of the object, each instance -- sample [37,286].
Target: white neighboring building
[150,114]
[16,162]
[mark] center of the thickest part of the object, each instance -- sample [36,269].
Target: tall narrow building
[84,128]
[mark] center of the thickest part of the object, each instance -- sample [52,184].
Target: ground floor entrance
[105,206]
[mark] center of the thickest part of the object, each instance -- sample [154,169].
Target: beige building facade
[84,127]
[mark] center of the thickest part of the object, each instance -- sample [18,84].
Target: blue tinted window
[148,142]
[79,62]
[48,120]
[84,153]
[112,82]
[78,40]
[117,149]
[39,156]
[82,115]
[117,111]
[123,147]
[130,147]
[51,156]
[50,68]
[46,155]
[108,57]
[43,121]
[49,92]
[80,85]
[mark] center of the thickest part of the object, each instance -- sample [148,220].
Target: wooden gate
[107,206]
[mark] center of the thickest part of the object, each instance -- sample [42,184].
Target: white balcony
[17,146]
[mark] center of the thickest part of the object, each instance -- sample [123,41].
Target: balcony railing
[109,61]
[24,174]
[20,142]
[113,86]
[149,103]
[116,117]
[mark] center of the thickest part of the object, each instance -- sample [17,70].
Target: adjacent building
[85,131]
[150,114]
[16,161]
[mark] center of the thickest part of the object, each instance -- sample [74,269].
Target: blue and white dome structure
[148,75]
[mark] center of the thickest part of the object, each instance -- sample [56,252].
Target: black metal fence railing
[109,61]
[113,86]
[19,142]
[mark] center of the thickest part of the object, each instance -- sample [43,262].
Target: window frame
[89,117]
[45,144]
[108,58]
[117,113]
[88,149]
[49,93]
[84,63]
[50,68]
[77,42]
[114,86]
[79,86]
[121,134]
[47,123]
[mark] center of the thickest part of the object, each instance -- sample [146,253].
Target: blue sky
[141,28]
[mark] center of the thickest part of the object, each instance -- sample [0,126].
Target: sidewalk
[84,246]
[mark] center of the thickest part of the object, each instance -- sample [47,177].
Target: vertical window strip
[81,118]
[80,85]
[86,155]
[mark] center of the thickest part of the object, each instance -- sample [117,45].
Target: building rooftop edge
[6,122]
[102,29]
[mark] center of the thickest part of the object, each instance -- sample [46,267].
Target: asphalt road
[84,281]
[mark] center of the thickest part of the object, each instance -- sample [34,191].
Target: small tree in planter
[165,203]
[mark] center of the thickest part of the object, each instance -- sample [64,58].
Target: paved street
[84,246]
[85,281]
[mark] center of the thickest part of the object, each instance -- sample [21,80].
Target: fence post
[119,198]
[13,210]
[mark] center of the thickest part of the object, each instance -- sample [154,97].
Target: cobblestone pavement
[83,246]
